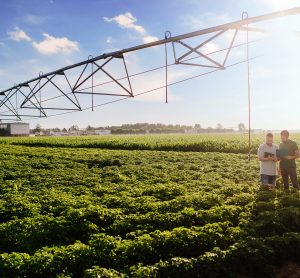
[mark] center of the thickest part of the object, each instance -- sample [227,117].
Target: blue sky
[43,35]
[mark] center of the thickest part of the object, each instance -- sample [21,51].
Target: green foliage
[90,212]
[227,143]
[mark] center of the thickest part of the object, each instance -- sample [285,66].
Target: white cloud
[53,45]
[18,35]
[148,39]
[50,44]
[128,21]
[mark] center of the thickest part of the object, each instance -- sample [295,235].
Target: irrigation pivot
[27,99]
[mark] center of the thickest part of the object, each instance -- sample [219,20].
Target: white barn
[14,129]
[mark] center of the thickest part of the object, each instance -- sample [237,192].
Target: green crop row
[76,212]
[226,143]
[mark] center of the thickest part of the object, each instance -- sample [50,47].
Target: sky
[38,36]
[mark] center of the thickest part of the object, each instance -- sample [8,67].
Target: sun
[282,4]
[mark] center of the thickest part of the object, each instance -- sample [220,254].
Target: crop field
[142,206]
[228,143]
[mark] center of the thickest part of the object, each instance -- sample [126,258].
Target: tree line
[143,128]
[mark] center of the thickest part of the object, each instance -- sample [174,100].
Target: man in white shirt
[267,156]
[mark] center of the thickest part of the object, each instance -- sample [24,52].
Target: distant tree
[197,126]
[241,127]
[219,126]
[38,128]
[73,128]
[89,127]
[64,130]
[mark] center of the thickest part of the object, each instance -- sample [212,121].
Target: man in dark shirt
[287,163]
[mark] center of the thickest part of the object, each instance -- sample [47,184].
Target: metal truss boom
[27,95]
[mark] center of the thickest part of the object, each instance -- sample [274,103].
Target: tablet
[267,154]
[282,153]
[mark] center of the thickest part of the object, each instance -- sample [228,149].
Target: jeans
[289,172]
[267,179]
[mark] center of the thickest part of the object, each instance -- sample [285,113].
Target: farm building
[14,129]
[102,132]
[58,133]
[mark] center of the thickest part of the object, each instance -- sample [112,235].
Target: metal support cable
[169,65]
[151,90]
[167,35]
[139,73]
[40,92]
[231,25]
[136,74]
[90,57]
[245,16]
